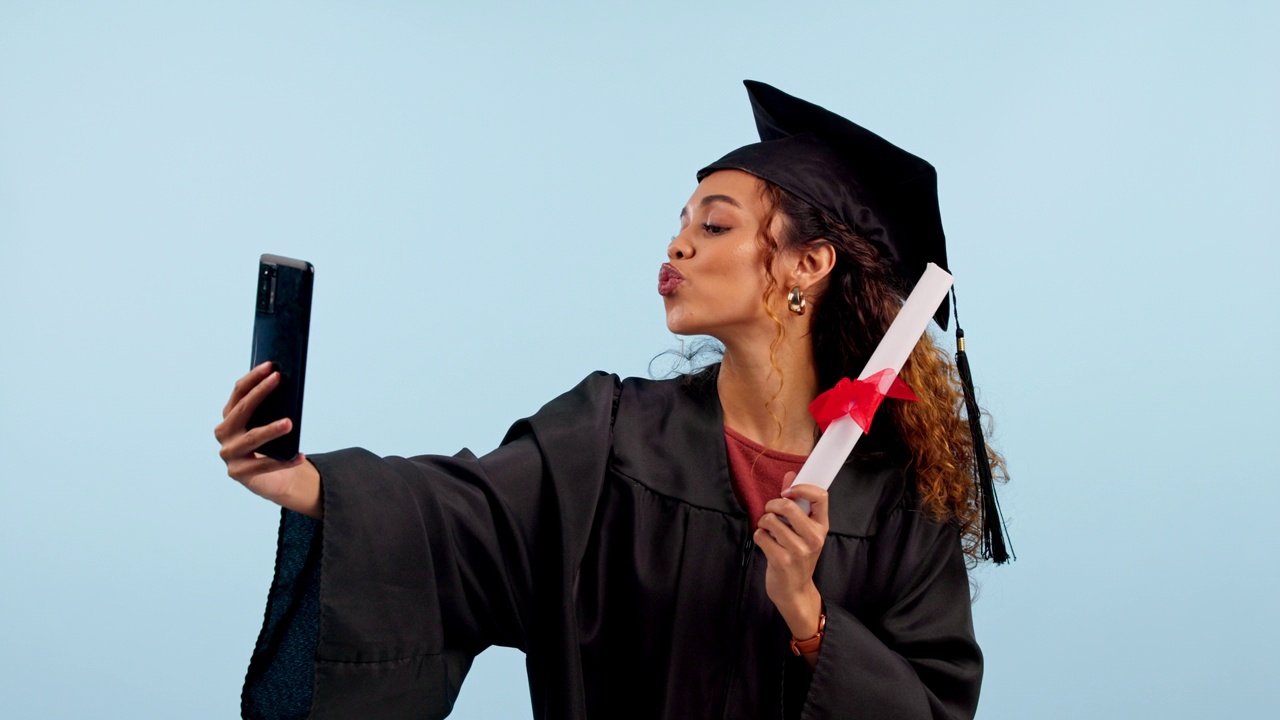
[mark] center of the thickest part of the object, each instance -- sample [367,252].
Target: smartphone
[281,325]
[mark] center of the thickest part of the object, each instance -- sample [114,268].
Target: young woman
[639,540]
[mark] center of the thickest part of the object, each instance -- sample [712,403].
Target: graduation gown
[603,539]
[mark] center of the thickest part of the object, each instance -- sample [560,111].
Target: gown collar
[669,437]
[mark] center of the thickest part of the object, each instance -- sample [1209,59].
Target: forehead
[731,187]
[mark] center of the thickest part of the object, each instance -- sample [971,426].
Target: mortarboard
[886,196]
[881,192]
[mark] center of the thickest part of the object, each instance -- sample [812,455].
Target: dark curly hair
[850,314]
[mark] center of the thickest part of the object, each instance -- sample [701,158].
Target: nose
[679,248]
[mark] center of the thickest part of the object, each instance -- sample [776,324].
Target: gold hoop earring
[795,301]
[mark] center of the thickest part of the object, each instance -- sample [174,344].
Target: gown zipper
[748,546]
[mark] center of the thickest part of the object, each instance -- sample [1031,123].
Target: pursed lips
[668,279]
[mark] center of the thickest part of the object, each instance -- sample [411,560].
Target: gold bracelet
[803,647]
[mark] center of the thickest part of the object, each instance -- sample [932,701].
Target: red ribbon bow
[858,399]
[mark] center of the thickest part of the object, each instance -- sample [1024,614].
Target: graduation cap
[883,194]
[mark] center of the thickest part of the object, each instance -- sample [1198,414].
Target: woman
[637,539]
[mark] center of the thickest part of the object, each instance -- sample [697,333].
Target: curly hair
[850,314]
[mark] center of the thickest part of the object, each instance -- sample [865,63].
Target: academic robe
[603,539]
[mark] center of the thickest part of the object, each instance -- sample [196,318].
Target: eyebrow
[684,212]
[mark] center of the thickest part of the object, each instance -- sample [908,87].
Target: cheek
[748,270]
[735,257]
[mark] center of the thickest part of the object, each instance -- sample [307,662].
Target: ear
[811,265]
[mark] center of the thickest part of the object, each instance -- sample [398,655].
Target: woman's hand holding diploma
[294,484]
[792,540]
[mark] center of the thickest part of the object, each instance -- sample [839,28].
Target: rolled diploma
[899,340]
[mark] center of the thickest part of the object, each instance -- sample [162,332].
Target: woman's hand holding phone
[294,484]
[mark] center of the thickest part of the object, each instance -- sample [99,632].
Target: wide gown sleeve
[913,655]
[422,563]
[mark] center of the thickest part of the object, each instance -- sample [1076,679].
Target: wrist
[810,646]
[802,612]
[303,494]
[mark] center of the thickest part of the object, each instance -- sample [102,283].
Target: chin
[678,326]
[681,321]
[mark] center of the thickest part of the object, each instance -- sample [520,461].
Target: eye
[714,229]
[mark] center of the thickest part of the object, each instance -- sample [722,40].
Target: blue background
[487,192]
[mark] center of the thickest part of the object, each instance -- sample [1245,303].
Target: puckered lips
[668,279]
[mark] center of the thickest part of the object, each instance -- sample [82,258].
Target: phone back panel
[281,326]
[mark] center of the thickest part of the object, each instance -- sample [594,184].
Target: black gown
[603,539]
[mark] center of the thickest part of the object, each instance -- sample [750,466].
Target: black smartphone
[281,324]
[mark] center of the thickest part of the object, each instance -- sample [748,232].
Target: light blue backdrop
[487,193]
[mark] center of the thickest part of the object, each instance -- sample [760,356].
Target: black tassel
[993,527]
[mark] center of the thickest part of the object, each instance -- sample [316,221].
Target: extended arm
[421,563]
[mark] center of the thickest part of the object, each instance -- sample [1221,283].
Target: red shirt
[756,471]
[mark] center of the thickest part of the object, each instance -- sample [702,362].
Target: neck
[768,401]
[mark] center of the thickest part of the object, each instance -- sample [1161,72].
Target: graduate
[639,540]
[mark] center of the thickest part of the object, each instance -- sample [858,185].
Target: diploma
[891,354]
